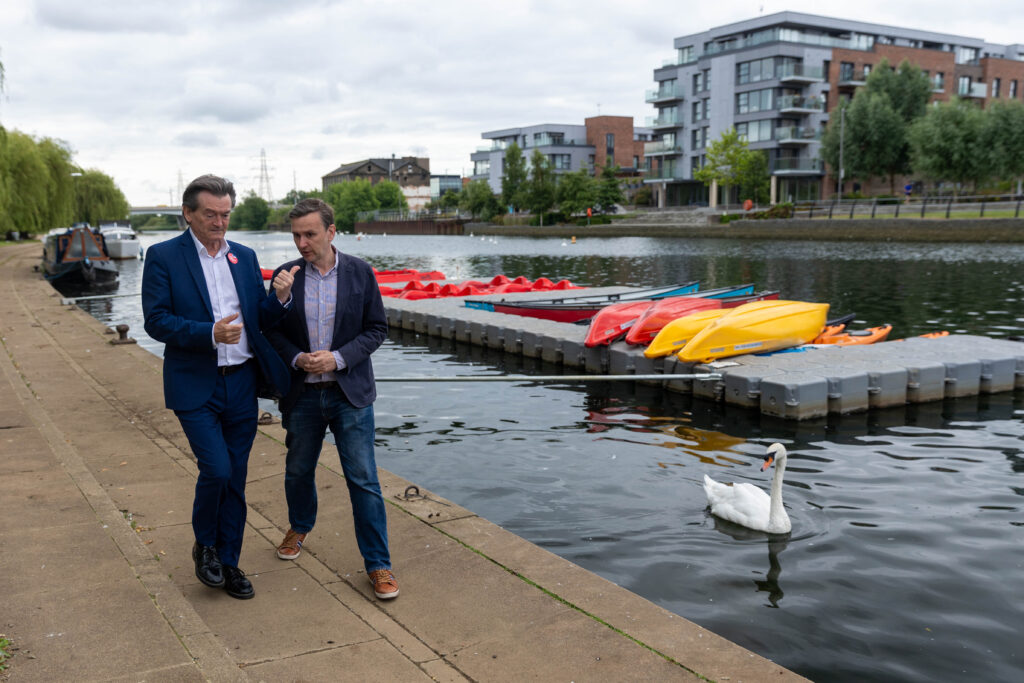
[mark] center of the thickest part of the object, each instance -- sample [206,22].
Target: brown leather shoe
[291,546]
[385,586]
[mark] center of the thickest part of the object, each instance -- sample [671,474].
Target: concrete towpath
[97,583]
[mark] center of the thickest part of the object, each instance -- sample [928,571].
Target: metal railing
[797,134]
[662,147]
[798,164]
[799,102]
[923,206]
[391,216]
[664,94]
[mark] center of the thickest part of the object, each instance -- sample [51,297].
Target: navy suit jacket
[360,327]
[177,310]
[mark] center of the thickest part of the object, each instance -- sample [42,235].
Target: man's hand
[283,284]
[317,363]
[226,333]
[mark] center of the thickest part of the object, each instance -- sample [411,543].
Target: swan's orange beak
[768,460]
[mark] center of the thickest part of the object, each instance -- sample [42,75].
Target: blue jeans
[353,429]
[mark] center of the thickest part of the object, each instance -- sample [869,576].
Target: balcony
[976,90]
[848,78]
[797,135]
[661,147]
[797,166]
[665,120]
[665,174]
[797,104]
[664,94]
[799,73]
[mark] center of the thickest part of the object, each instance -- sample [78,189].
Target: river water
[906,559]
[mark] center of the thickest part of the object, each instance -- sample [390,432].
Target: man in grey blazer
[335,321]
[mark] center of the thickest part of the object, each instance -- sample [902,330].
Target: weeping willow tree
[98,199]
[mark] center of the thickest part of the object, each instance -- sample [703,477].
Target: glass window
[685,54]
[939,81]
[997,84]
[963,85]
[609,145]
[845,71]
[867,71]
[755,100]
[966,55]
[560,161]
[483,167]
[755,131]
[1013,90]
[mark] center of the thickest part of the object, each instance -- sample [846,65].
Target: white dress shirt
[224,300]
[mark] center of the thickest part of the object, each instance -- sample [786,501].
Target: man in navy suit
[204,298]
[335,322]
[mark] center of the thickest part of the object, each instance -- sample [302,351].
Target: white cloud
[147,90]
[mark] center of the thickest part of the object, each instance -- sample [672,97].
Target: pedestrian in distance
[335,322]
[204,298]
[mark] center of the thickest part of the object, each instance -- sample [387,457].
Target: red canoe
[612,322]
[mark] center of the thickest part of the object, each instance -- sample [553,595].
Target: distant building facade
[567,147]
[411,173]
[777,78]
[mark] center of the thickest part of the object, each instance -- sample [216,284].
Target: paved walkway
[97,583]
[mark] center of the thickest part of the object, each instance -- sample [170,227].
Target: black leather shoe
[236,584]
[208,567]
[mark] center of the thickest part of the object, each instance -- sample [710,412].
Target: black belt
[321,386]
[225,370]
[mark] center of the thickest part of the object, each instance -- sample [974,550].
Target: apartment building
[567,147]
[777,78]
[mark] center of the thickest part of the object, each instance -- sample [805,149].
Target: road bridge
[160,210]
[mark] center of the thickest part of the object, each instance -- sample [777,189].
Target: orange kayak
[851,337]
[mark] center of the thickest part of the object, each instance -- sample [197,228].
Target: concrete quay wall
[798,386]
[1010,230]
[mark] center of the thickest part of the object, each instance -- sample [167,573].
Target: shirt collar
[313,270]
[201,248]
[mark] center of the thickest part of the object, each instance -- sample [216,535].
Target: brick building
[777,79]
[567,147]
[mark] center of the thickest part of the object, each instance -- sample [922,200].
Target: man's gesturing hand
[283,283]
[226,333]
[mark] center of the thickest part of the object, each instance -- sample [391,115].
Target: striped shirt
[321,295]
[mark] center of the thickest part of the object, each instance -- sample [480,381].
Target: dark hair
[313,205]
[215,185]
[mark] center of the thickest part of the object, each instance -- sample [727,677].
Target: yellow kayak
[757,327]
[675,334]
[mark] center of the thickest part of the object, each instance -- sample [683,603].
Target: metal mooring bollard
[122,335]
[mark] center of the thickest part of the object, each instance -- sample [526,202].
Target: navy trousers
[221,433]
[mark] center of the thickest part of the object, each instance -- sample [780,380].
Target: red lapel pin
[233,259]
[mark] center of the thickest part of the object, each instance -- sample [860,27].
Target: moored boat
[664,311]
[756,328]
[120,240]
[675,334]
[77,255]
[847,337]
[576,308]
[616,320]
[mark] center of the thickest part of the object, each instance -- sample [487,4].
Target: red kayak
[613,321]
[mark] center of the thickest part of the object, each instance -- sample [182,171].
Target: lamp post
[842,132]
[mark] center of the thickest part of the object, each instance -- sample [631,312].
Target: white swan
[749,506]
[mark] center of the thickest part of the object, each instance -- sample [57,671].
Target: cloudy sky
[148,91]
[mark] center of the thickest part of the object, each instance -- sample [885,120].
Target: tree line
[539,190]
[347,199]
[42,188]
[890,131]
